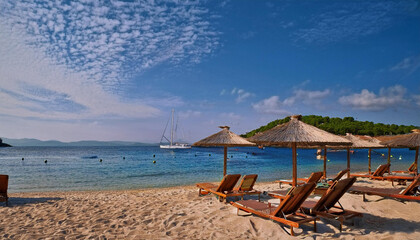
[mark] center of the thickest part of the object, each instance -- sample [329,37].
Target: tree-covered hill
[341,126]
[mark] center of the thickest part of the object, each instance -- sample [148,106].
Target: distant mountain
[30,142]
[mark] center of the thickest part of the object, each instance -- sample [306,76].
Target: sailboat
[172,144]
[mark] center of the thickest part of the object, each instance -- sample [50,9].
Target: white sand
[178,213]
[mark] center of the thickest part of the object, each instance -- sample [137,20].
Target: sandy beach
[179,213]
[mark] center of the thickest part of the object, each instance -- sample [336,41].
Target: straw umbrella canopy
[224,138]
[411,140]
[294,134]
[358,142]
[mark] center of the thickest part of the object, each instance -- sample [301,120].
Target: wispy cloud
[417,99]
[33,86]
[248,35]
[67,60]
[111,42]
[241,94]
[346,20]
[391,97]
[409,64]
[189,114]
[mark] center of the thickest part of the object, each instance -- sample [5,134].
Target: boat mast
[172,126]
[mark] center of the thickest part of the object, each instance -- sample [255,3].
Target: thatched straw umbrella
[411,140]
[224,138]
[358,142]
[296,133]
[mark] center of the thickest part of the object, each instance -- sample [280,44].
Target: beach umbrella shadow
[18,201]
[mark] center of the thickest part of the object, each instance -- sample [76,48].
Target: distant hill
[341,126]
[30,142]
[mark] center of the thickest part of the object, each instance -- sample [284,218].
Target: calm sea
[79,168]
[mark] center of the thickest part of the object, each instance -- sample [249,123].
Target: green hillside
[341,126]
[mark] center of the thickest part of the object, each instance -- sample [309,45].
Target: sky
[113,70]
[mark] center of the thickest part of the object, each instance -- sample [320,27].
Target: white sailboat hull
[176,146]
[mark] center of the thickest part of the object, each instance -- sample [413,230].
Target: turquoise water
[79,168]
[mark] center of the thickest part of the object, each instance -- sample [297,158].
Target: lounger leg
[199,192]
[364,197]
[291,231]
[341,225]
[315,225]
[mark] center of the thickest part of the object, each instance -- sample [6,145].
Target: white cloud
[274,105]
[271,105]
[241,94]
[307,97]
[391,97]
[223,92]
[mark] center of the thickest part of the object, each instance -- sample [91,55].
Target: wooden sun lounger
[328,206]
[286,213]
[226,187]
[410,170]
[412,192]
[315,177]
[401,179]
[4,182]
[378,174]
[338,176]
[246,187]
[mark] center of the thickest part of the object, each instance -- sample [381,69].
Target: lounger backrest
[411,188]
[333,194]
[228,183]
[294,199]
[315,177]
[381,170]
[247,183]
[4,182]
[340,174]
[412,167]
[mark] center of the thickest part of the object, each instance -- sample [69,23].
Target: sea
[40,169]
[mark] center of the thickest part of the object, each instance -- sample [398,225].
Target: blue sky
[113,70]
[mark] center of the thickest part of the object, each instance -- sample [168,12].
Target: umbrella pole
[294,183]
[348,162]
[370,158]
[389,159]
[416,160]
[224,161]
[325,163]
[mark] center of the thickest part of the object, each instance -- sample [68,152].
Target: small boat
[171,144]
